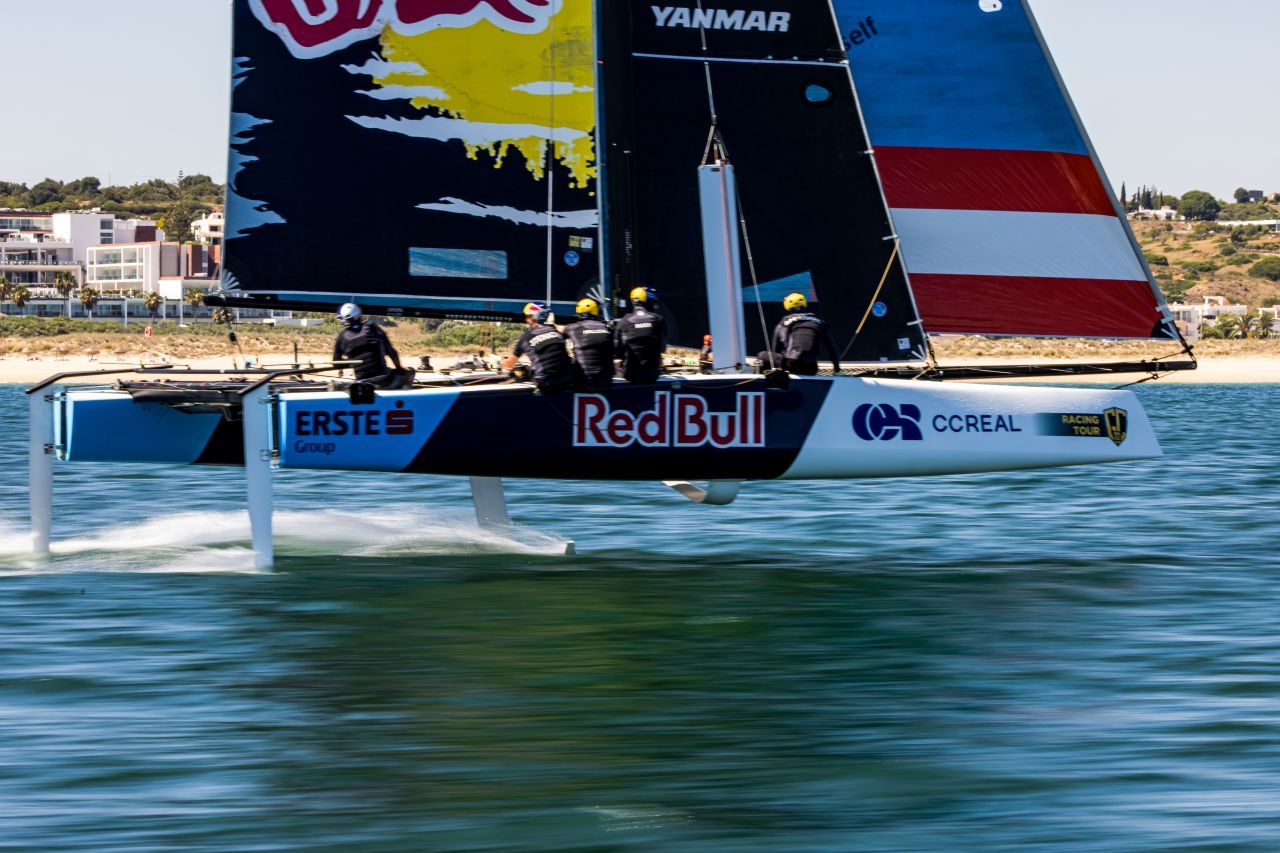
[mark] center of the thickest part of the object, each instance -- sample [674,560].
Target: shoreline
[1224,370]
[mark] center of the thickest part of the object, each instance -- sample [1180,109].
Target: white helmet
[350,313]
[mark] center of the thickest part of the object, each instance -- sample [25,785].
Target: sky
[1180,94]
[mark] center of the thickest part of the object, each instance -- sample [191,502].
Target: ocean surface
[1073,659]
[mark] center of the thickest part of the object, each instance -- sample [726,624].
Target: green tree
[152,302]
[1199,204]
[65,283]
[221,317]
[45,192]
[5,289]
[89,298]
[1241,195]
[1268,267]
[176,222]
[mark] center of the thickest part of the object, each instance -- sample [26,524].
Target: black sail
[386,151]
[785,109]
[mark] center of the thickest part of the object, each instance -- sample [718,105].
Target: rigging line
[755,285]
[706,66]
[551,156]
[874,296]
[1152,378]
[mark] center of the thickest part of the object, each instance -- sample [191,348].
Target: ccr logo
[885,422]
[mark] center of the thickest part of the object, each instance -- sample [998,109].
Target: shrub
[1199,266]
[1227,251]
[1268,267]
[1156,260]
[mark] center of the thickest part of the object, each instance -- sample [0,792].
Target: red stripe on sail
[980,179]
[1056,307]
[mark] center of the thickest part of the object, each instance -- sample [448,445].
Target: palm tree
[89,298]
[194,298]
[1228,327]
[5,289]
[20,294]
[221,316]
[152,302]
[65,283]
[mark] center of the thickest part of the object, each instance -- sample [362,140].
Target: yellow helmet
[792,301]
[640,295]
[588,307]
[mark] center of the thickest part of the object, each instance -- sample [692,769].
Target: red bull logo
[676,420]
[314,28]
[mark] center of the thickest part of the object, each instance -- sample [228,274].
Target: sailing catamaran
[457,158]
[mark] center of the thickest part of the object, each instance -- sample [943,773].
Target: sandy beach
[25,370]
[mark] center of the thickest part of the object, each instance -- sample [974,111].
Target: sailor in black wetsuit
[592,341]
[640,338]
[366,343]
[544,345]
[796,340]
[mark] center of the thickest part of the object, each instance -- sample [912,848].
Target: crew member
[544,345]
[592,341]
[367,344]
[796,339]
[640,338]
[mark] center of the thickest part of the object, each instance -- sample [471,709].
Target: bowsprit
[676,420]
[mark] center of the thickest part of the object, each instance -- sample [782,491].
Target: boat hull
[691,428]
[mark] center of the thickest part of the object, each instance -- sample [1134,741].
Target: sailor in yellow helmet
[640,338]
[592,341]
[797,338]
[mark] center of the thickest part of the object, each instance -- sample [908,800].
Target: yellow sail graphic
[502,90]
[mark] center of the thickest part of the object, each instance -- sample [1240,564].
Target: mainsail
[769,82]
[1007,221]
[435,157]
[441,157]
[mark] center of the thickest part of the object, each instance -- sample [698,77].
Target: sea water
[1083,658]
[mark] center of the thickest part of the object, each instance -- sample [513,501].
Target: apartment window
[107,225]
[108,239]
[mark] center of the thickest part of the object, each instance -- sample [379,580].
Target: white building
[209,228]
[35,246]
[1165,213]
[1191,316]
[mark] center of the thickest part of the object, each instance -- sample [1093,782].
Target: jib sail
[427,156]
[769,79]
[1008,223]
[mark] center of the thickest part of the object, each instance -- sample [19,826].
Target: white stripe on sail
[397,92]
[470,132]
[378,67]
[559,219]
[1004,243]
[548,87]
